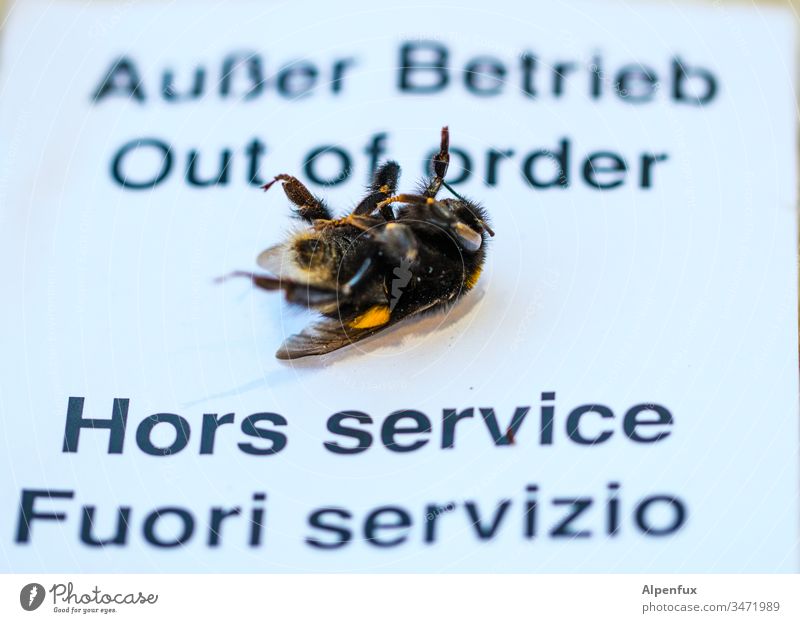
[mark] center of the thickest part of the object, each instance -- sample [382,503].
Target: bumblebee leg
[407,198]
[438,206]
[262,281]
[383,185]
[307,206]
[358,221]
[440,162]
[364,223]
[299,293]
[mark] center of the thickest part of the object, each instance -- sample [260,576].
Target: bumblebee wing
[282,261]
[322,337]
[332,334]
[273,259]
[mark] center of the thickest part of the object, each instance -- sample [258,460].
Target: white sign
[618,393]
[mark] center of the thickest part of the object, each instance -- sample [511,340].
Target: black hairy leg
[439,163]
[307,206]
[384,184]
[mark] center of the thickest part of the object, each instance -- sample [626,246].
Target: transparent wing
[323,337]
[281,261]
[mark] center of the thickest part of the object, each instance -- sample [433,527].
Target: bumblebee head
[465,220]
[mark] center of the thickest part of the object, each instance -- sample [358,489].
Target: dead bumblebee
[392,257]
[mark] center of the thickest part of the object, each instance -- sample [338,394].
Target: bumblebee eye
[468,238]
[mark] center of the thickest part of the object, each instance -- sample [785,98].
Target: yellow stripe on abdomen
[374,317]
[473,278]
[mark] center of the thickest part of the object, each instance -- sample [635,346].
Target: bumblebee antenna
[480,220]
[450,188]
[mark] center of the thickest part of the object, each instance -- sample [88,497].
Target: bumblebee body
[392,257]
